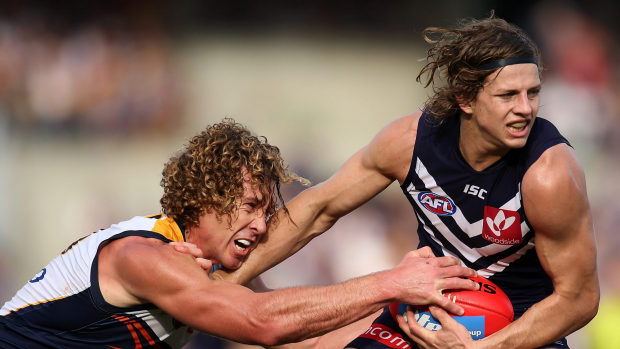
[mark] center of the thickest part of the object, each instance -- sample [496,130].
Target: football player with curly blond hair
[128,285]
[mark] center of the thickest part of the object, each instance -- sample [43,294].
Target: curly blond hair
[458,52]
[207,175]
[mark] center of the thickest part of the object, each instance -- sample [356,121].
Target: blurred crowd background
[95,96]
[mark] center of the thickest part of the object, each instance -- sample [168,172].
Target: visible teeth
[517,126]
[242,244]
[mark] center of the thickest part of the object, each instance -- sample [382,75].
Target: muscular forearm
[547,321]
[334,339]
[296,314]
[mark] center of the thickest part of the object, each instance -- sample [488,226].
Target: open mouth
[242,244]
[517,126]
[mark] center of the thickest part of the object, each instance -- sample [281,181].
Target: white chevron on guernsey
[471,229]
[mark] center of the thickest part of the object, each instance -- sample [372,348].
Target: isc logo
[439,205]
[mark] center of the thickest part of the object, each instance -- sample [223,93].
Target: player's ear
[188,232]
[466,107]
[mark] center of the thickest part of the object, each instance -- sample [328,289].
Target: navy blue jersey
[478,216]
[63,307]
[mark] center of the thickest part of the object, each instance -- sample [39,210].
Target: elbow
[322,223]
[323,214]
[593,300]
[592,307]
[588,307]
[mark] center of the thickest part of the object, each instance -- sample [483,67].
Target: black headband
[507,61]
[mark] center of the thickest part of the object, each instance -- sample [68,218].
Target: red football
[487,310]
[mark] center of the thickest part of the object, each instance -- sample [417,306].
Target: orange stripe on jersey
[145,334]
[124,319]
[168,228]
[121,318]
[132,325]
[135,337]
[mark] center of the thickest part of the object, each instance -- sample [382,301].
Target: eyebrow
[501,91]
[252,198]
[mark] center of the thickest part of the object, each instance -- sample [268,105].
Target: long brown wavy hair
[207,175]
[458,52]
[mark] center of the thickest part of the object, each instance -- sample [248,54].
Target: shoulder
[543,126]
[130,254]
[391,150]
[131,266]
[126,248]
[404,127]
[554,189]
[544,135]
[557,166]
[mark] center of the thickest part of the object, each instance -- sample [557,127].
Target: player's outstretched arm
[138,270]
[556,204]
[334,339]
[315,210]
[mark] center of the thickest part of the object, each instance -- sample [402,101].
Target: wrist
[485,343]
[388,286]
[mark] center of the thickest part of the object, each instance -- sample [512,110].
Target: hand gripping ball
[487,310]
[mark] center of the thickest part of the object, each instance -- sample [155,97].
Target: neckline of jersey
[456,136]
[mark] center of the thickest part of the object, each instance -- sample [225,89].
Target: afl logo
[439,205]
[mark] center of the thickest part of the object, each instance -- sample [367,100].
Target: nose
[259,224]
[523,105]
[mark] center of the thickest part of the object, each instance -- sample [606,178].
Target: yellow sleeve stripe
[168,228]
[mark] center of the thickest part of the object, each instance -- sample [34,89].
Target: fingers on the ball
[404,326]
[442,316]
[457,283]
[416,332]
[450,306]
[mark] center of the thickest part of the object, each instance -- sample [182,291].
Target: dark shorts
[384,333]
